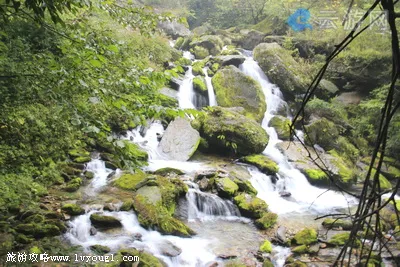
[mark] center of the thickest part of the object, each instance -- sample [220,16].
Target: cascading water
[186,91]
[212,101]
[304,196]
[205,206]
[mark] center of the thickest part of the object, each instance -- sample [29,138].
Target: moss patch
[265,164]
[250,206]
[281,126]
[267,221]
[266,247]
[199,85]
[73,209]
[317,177]
[129,181]
[306,236]
[226,187]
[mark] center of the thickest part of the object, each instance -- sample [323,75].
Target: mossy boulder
[316,176]
[251,206]
[262,162]
[38,230]
[281,126]
[89,175]
[159,217]
[197,67]
[168,171]
[104,221]
[302,249]
[73,185]
[211,43]
[383,181]
[341,239]
[266,247]
[246,186]
[226,187]
[235,89]
[306,236]
[337,223]
[215,67]
[82,159]
[227,131]
[234,60]
[73,209]
[130,181]
[6,243]
[266,221]
[200,52]
[281,68]
[199,85]
[322,132]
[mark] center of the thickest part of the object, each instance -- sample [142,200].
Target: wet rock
[282,127]
[168,249]
[250,39]
[180,140]
[204,184]
[306,236]
[152,193]
[285,194]
[137,236]
[174,29]
[221,127]
[168,170]
[131,181]
[267,220]
[337,223]
[212,264]
[226,187]
[93,231]
[103,221]
[211,43]
[234,60]
[250,206]
[281,234]
[227,256]
[262,162]
[235,89]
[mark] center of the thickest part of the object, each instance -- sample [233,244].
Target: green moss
[35,250]
[126,206]
[226,187]
[73,185]
[339,239]
[235,89]
[267,263]
[266,247]
[384,183]
[183,62]
[335,223]
[179,42]
[38,230]
[129,181]
[99,249]
[302,249]
[250,206]
[199,85]
[306,236]
[227,131]
[157,216]
[200,52]
[267,221]
[317,177]
[103,221]
[168,170]
[322,132]
[347,149]
[246,187]
[78,153]
[345,174]
[82,159]
[89,175]
[215,67]
[72,209]
[282,127]
[197,67]
[146,259]
[265,164]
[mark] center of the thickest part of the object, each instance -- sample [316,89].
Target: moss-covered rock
[89,175]
[6,243]
[234,89]
[267,221]
[339,239]
[38,230]
[250,206]
[226,187]
[281,126]
[383,181]
[336,223]
[322,132]
[158,217]
[228,131]
[73,209]
[306,236]
[317,177]
[126,206]
[215,67]
[246,187]
[73,185]
[200,52]
[130,181]
[300,249]
[199,85]
[266,247]
[211,43]
[267,263]
[343,173]
[197,67]
[104,221]
[283,70]
[179,42]
[82,159]
[265,164]
[168,170]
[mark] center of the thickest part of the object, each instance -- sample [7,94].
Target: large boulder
[282,127]
[235,89]
[225,130]
[251,206]
[180,140]
[174,29]
[212,43]
[234,60]
[262,162]
[249,39]
[104,221]
[322,132]
[281,68]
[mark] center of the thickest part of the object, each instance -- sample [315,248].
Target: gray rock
[169,249]
[281,234]
[234,60]
[169,92]
[174,29]
[250,39]
[180,140]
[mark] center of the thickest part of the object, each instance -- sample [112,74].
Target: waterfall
[212,101]
[204,206]
[186,91]
[304,197]
[101,173]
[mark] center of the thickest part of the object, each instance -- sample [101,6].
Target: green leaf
[113,48]
[95,63]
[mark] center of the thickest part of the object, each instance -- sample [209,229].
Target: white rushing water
[304,197]
[212,101]
[186,92]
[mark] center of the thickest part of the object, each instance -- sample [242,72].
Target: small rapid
[212,101]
